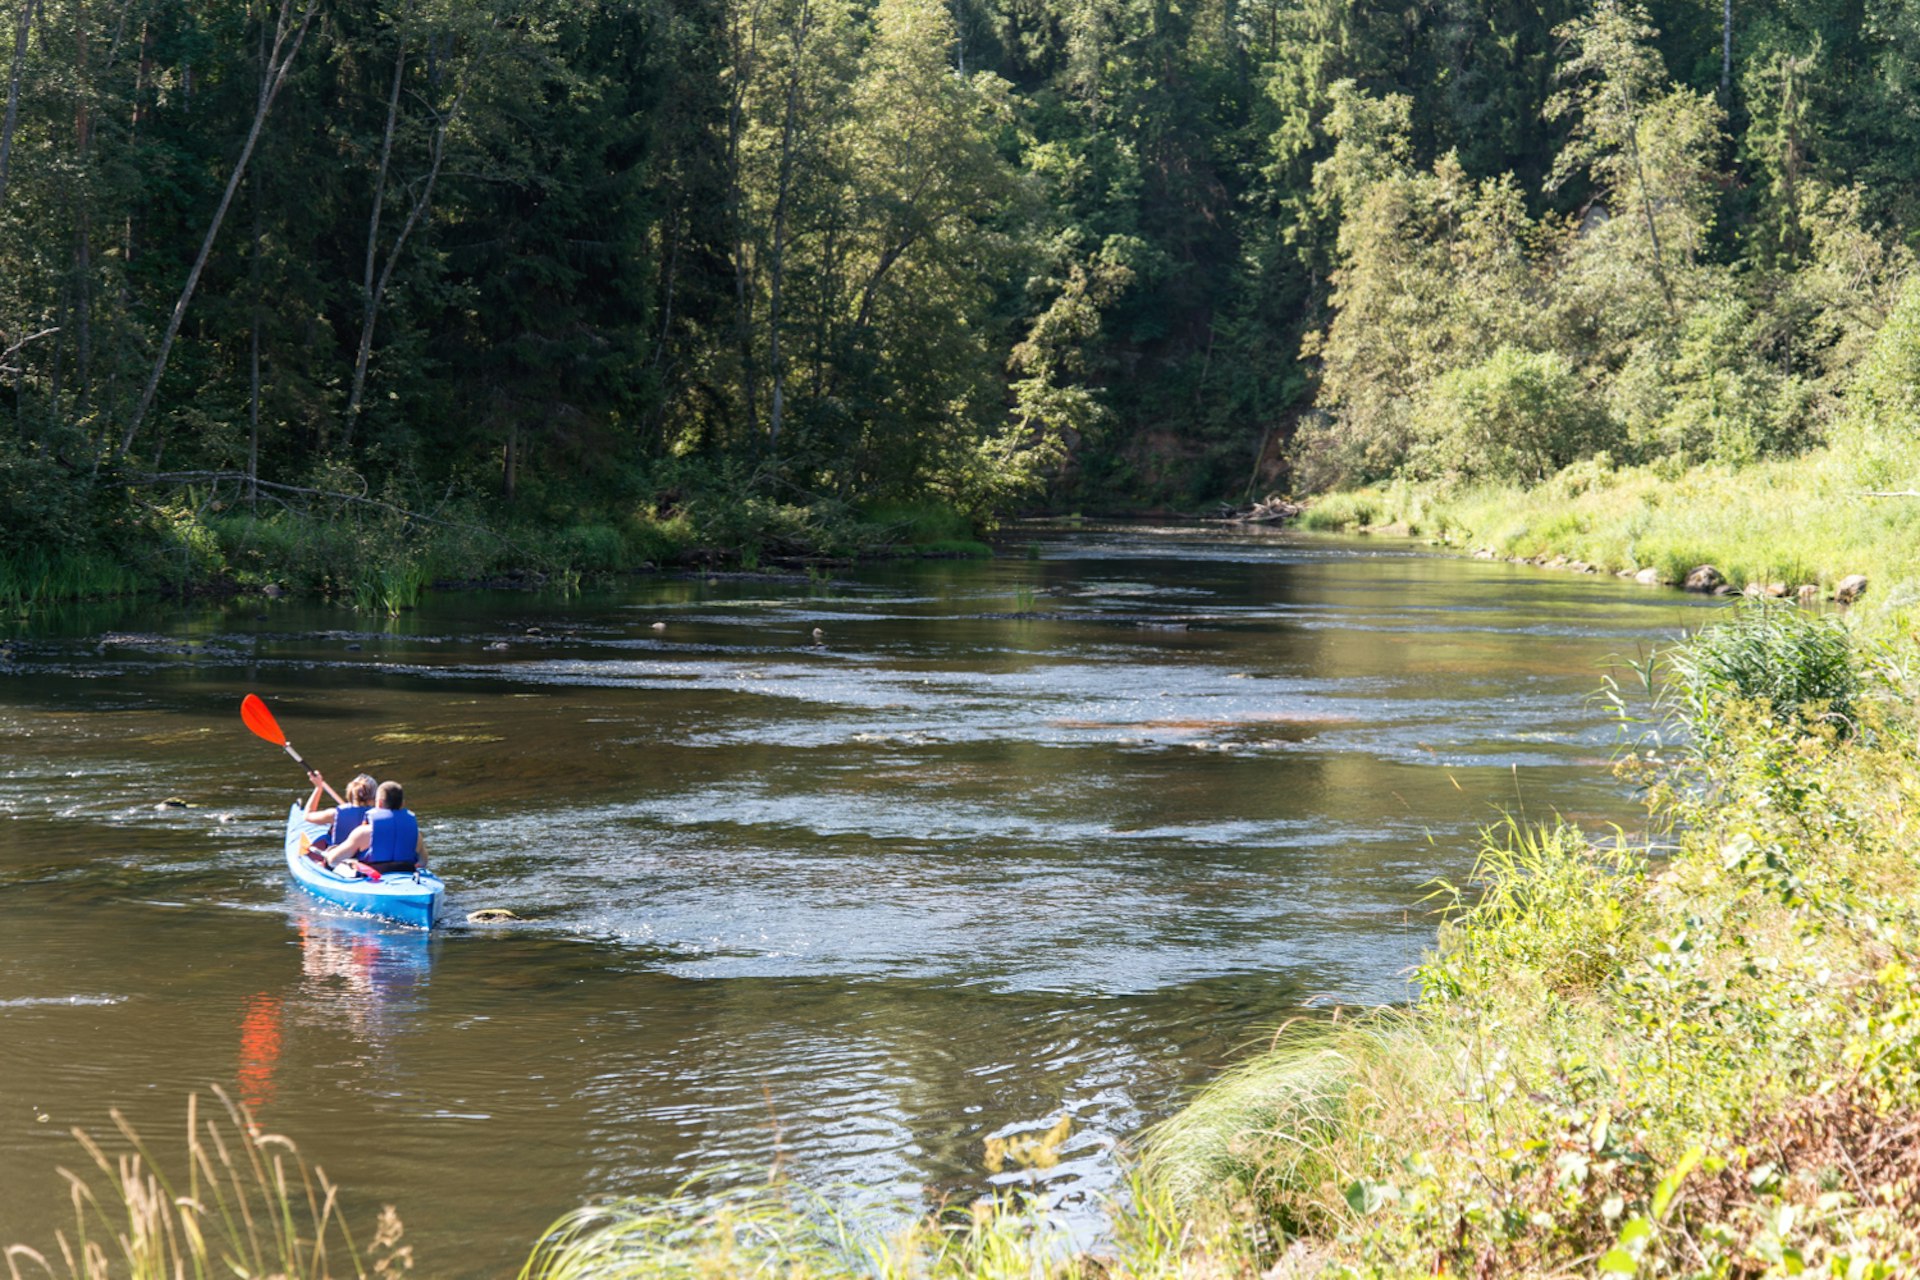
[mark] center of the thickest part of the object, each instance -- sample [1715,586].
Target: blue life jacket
[346,820]
[396,836]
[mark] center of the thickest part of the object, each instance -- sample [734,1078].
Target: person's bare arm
[358,842]
[314,813]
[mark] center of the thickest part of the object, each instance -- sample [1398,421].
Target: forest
[287,284]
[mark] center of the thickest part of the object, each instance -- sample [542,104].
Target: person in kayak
[389,840]
[340,822]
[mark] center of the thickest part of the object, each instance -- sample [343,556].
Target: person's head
[390,797]
[360,791]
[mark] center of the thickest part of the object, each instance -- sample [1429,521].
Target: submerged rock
[1851,588]
[491,915]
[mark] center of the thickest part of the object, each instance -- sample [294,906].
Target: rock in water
[1808,595]
[1851,588]
[1703,578]
[490,915]
[1648,577]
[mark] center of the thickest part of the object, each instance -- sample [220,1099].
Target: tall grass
[778,1229]
[33,577]
[250,1207]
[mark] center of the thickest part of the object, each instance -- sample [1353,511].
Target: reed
[250,1207]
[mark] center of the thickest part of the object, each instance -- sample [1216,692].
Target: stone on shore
[1704,578]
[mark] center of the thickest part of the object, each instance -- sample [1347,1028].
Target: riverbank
[1814,520]
[382,560]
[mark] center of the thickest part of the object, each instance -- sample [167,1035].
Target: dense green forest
[602,276]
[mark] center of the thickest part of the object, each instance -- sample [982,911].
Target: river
[1054,835]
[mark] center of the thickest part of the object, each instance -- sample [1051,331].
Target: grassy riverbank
[1790,521]
[1697,1061]
[382,560]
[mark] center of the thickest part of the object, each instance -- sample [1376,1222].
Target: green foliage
[1344,510]
[1886,391]
[1543,908]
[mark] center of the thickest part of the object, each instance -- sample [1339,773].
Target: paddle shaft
[309,769]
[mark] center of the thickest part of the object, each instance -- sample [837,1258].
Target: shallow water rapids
[1050,836]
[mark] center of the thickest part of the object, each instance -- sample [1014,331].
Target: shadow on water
[1014,856]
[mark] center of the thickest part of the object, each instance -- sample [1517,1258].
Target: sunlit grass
[780,1229]
[1790,521]
[248,1207]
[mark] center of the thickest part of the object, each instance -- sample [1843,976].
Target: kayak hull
[405,899]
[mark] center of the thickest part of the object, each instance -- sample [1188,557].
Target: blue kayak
[408,898]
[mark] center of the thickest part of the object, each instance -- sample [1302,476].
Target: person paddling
[389,840]
[340,821]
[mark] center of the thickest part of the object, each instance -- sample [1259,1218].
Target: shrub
[1518,415]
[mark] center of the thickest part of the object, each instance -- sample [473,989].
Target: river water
[1048,837]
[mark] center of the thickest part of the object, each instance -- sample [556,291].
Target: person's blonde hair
[360,790]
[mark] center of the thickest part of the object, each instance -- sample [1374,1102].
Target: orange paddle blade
[261,720]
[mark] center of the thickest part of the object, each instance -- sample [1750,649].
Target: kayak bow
[409,899]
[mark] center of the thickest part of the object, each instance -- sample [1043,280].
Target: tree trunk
[253,361]
[420,206]
[288,36]
[20,27]
[83,220]
[373,245]
[1726,51]
[777,266]
[743,48]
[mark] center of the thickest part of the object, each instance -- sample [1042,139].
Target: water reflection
[360,974]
